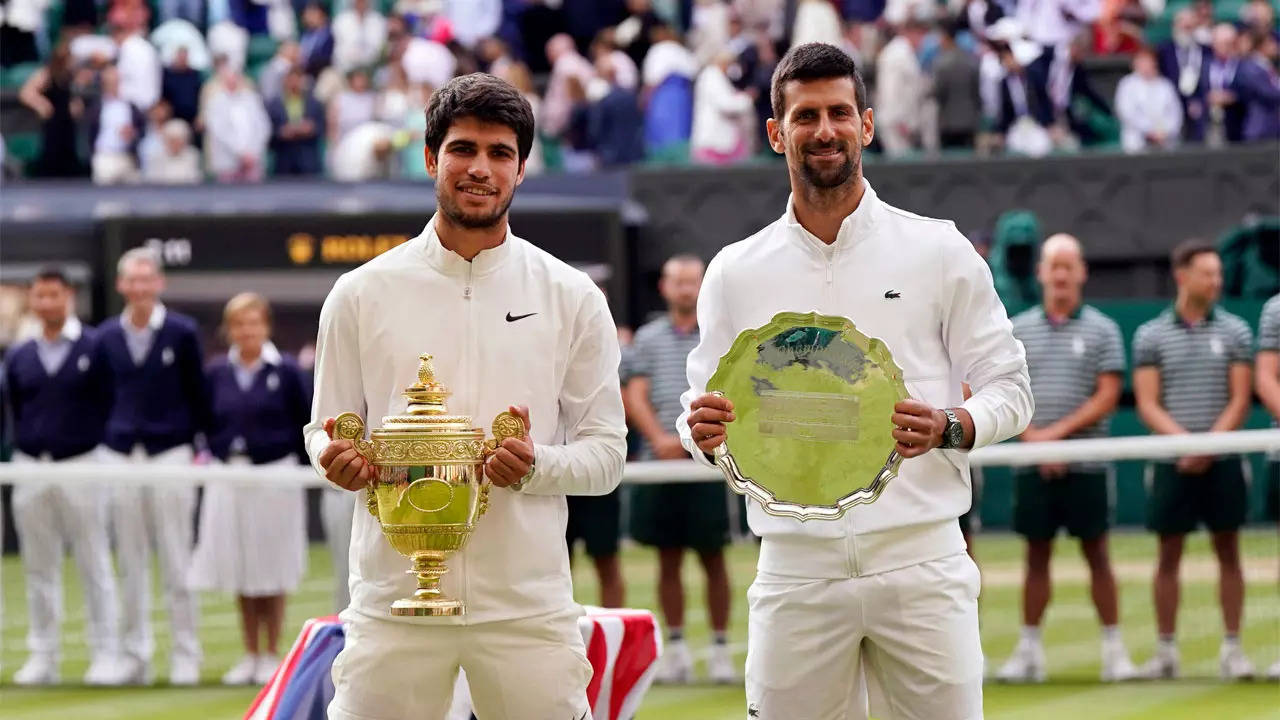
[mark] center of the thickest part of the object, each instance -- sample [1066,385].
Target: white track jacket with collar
[917,284]
[515,326]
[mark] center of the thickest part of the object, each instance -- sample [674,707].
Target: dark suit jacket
[1038,105]
[297,156]
[317,50]
[1195,115]
[1258,89]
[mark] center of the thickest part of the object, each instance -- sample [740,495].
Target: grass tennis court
[1070,632]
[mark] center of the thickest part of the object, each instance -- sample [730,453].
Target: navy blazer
[269,415]
[63,414]
[298,156]
[1259,93]
[163,402]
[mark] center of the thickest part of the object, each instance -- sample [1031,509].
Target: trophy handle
[505,425]
[350,426]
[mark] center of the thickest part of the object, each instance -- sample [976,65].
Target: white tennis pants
[517,669]
[907,638]
[48,518]
[337,508]
[144,517]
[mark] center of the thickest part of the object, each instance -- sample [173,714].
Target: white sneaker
[1273,672]
[1116,665]
[676,665]
[184,671]
[242,673]
[266,667]
[1233,664]
[135,672]
[1026,664]
[720,669]
[39,669]
[106,670]
[1164,665]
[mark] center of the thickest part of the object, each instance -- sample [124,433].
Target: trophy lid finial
[426,371]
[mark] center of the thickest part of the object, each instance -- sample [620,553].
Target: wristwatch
[953,433]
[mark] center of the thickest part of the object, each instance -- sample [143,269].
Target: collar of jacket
[449,262]
[853,229]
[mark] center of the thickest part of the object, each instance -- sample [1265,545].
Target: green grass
[1070,632]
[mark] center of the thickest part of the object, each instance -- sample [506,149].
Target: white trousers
[529,668]
[907,638]
[147,517]
[49,518]
[336,514]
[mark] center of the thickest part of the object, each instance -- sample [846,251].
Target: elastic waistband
[861,554]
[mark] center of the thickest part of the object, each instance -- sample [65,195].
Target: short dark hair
[1185,252]
[51,274]
[485,98]
[815,61]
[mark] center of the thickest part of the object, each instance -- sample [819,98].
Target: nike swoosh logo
[513,318]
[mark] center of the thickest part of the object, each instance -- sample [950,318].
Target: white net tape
[1007,454]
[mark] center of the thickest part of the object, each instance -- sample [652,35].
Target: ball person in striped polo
[1192,374]
[1267,382]
[1076,358]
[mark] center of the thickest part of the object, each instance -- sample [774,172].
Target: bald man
[1076,358]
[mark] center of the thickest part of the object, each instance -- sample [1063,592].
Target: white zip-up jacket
[917,284]
[515,326]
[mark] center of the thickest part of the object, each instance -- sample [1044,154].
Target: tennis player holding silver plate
[857,474]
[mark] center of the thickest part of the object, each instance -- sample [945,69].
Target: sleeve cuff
[984,422]
[531,476]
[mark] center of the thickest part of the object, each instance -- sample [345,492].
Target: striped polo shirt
[1194,361]
[1269,339]
[1064,360]
[659,353]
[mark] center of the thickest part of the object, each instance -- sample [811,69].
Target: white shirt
[901,85]
[561,362]
[427,61]
[115,116]
[158,166]
[718,112]
[54,352]
[1144,106]
[353,159]
[667,58]
[357,39]
[473,19]
[175,34]
[946,327]
[139,339]
[139,66]
[228,38]
[237,125]
[1045,23]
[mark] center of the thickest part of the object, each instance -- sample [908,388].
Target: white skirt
[252,539]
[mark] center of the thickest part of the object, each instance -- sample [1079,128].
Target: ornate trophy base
[428,600]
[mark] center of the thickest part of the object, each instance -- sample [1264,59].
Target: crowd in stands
[181,91]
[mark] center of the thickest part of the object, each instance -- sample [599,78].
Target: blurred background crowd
[185,91]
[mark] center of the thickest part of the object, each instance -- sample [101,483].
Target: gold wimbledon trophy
[429,487]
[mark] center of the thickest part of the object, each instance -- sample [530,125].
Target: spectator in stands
[237,129]
[192,11]
[297,124]
[173,35]
[709,31]
[1075,356]
[816,21]
[427,61]
[518,75]
[175,161]
[351,107]
[253,539]
[676,517]
[577,146]
[316,43]
[1191,375]
[494,56]
[566,63]
[180,87]
[954,88]
[48,93]
[115,128]
[902,91]
[392,104]
[359,33]
[248,14]
[1148,106]
[1185,62]
[667,74]
[755,66]
[604,49]
[366,152]
[1259,85]
[157,116]
[20,20]
[160,405]
[138,61]
[472,21]
[615,122]
[1119,27]
[634,35]
[1053,23]
[723,121]
[271,77]
[1259,18]
[1081,115]
[59,393]
[1025,112]
[1226,109]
